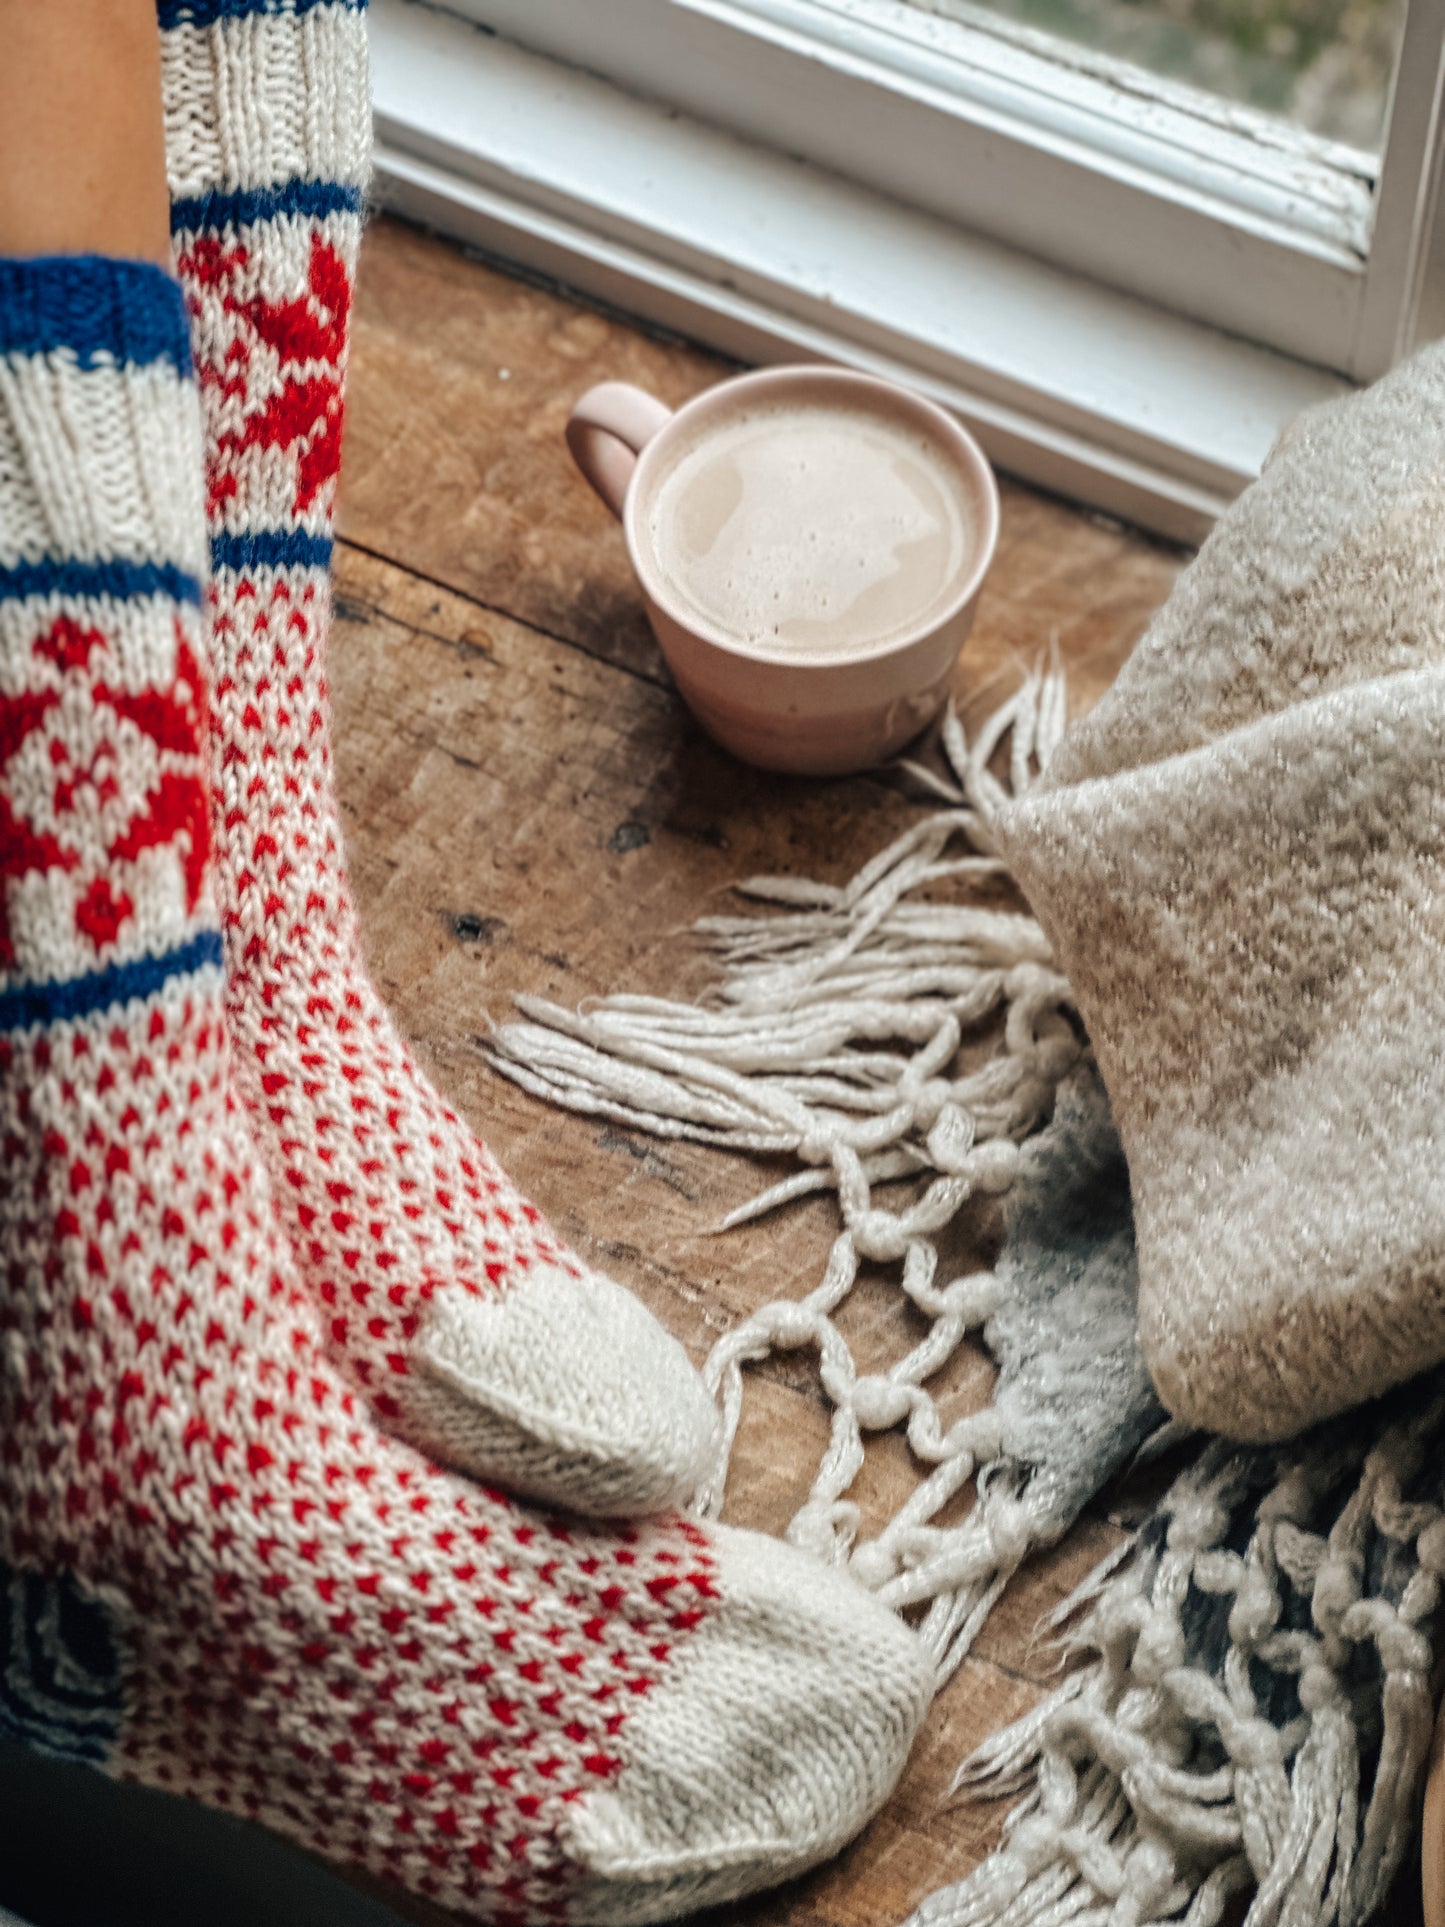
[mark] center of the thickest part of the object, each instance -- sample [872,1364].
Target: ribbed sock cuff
[205,13]
[95,308]
[102,475]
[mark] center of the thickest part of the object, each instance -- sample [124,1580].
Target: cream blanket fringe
[798,1054]
[1255,1706]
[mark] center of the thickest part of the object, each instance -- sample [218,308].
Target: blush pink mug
[819,715]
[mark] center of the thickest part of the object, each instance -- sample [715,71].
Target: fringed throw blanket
[1238,859]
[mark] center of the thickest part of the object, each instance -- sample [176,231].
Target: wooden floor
[530,808]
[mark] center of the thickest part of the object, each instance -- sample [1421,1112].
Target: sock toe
[767,1746]
[562,1389]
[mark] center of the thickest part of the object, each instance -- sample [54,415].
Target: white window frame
[1127,290]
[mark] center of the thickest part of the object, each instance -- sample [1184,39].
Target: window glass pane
[1325,65]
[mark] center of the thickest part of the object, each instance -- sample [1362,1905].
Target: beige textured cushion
[1240,860]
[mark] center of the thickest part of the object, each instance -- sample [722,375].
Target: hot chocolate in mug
[810,544]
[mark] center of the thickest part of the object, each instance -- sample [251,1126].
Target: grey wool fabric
[1073,1397]
[1239,859]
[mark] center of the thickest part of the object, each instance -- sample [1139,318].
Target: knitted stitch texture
[240,1590]
[1239,858]
[470,1329]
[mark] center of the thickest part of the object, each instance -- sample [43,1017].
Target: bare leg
[82,141]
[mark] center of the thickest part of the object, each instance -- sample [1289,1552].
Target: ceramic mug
[817,714]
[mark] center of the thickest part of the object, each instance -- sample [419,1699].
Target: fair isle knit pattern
[447,1300]
[217,1576]
[102,713]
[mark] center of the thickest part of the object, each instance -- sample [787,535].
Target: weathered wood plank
[463,382]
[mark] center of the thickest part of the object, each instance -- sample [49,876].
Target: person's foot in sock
[471,1330]
[217,1576]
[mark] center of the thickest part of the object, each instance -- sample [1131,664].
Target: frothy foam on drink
[811,528]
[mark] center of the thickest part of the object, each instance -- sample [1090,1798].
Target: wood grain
[529,808]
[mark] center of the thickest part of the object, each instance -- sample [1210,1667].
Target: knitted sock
[216,1576]
[470,1329]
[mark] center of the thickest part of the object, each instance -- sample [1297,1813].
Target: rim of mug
[963,446]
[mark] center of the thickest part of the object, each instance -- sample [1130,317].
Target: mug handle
[607,431]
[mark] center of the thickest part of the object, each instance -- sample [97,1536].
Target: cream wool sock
[1239,857]
[217,1576]
[470,1329]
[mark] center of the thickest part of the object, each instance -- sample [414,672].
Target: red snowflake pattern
[172,811]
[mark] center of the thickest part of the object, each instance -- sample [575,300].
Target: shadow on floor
[83,1851]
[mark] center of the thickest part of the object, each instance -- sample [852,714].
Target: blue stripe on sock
[77,997]
[94,307]
[121,581]
[205,13]
[309,199]
[271,549]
